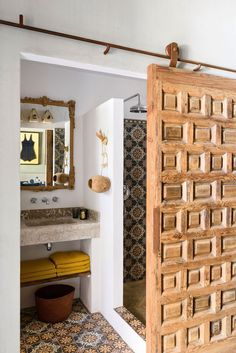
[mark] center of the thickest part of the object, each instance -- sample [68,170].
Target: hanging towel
[68,257]
[39,265]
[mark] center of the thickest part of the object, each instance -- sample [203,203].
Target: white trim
[80,65]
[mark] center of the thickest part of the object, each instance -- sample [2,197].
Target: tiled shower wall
[135,205]
[59,149]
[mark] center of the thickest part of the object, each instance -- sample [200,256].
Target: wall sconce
[34,117]
[47,117]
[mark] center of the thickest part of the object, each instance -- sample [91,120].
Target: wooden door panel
[191,211]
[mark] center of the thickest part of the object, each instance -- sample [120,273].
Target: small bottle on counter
[75,212]
[83,213]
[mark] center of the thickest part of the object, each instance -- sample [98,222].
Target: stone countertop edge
[33,235]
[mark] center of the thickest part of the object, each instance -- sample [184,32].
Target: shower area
[135,132]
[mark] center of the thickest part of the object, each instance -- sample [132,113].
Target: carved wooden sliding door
[191,211]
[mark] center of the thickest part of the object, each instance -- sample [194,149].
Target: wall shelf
[61,278]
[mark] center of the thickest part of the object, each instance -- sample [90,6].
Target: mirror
[46,144]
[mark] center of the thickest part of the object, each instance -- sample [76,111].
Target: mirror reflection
[46,150]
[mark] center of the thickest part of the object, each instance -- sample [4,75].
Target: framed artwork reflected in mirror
[30,148]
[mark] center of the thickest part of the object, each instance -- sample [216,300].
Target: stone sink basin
[49,221]
[44,230]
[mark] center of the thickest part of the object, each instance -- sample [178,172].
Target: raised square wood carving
[171,162]
[233,216]
[216,273]
[218,162]
[233,270]
[229,190]
[202,247]
[234,110]
[202,134]
[228,296]
[195,105]
[172,311]
[195,220]
[172,132]
[234,162]
[195,277]
[218,217]
[173,252]
[229,136]
[172,192]
[229,243]
[195,162]
[201,304]
[217,107]
[171,282]
[171,222]
[215,328]
[169,101]
[194,335]
[202,190]
[169,343]
[233,323]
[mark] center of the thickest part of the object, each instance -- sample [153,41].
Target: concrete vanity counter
[51,227]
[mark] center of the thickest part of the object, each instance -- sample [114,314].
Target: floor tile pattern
[136,325]
[135,203]
[81,332]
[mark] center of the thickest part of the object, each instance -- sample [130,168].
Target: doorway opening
[97,88]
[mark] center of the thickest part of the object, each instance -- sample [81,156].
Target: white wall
[88,89]
[109,118]
[204,29]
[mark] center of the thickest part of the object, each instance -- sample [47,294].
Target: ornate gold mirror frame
[45,101]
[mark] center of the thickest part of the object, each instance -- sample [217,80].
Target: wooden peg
[106,51]
[172,50]
[21,20]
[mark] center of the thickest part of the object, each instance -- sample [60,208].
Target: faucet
[33,200]
[45,200]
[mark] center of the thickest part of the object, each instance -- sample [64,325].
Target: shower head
[138,108]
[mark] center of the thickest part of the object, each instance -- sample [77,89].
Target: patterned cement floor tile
[136,325]
[82,332]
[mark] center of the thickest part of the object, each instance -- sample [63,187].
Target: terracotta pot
[99,183]
[61,178]
[54,302]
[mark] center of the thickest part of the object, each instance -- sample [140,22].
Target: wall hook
[21,20]
[197,68]
[172,50]
[106,51]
